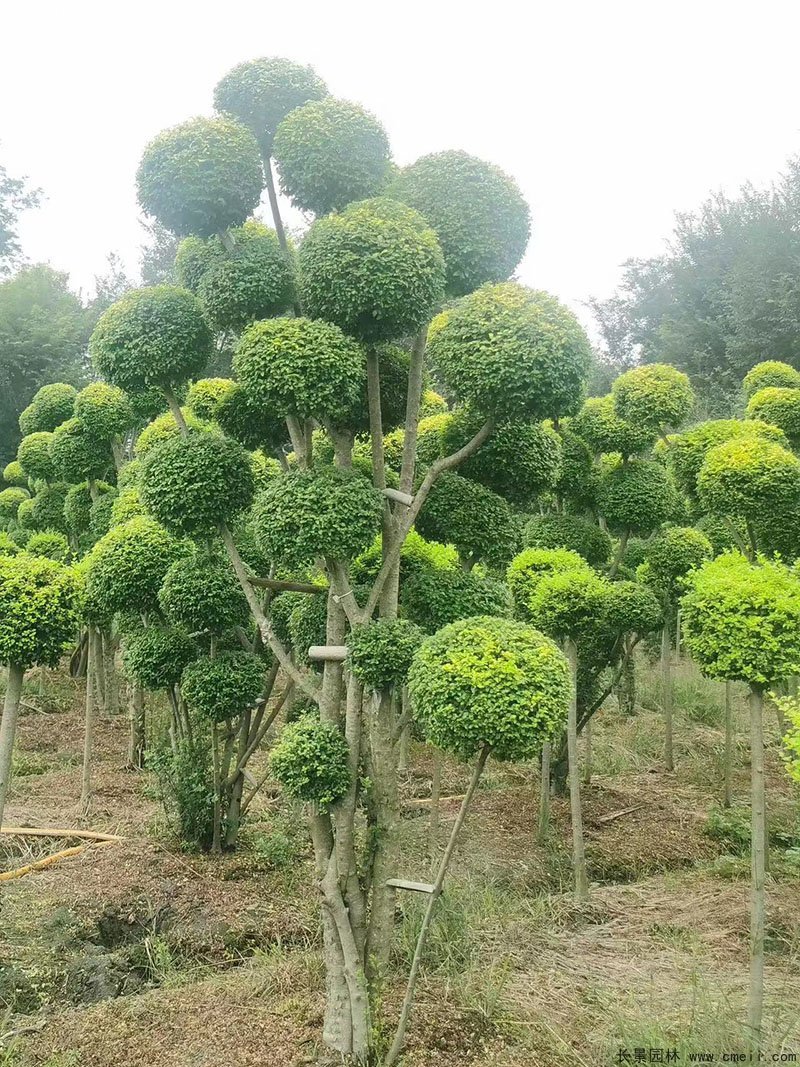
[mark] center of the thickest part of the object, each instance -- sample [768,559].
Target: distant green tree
[16,196]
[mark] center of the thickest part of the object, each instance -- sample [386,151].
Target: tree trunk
[277,221]
[89,715]
[757,866]
[385,831]
[112,679]
[587,753]
[436,792]
[8,729]
[666,696]
[578,851]
[728,756]
[543,828]
[138,741]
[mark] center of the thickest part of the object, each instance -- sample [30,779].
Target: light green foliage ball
[466,514]
[256,281]
[78,505]
[152,336]
[520,460]
[741,621]
[527,569]
[38,609]
[46,508]
[329,153]
[205,396]
[688,450]
[156,656]
[10,500]
[51,405]
[300,367]
[569,531]
[193,484]
[196,256]
[572,603]
[771,373]
[633,608]
[417,554]
[224,687]
[656,397]
[200,592]
[310,760]
[637,496]
[490,681]
[750,478]
[511,352]
[127,505]
[14,475]
[433,597]
[76,454]
[33,455]
[126,568]
[780,407]
[477,211]
[375,270]
[201,177]
[380,654]
[671,556]
[8,547]
[164,428]
[105,411]
[261,92]
[432,404]
[49,543]
[604,431]
[323,512]
[430,434]
[100,514]
[24,519]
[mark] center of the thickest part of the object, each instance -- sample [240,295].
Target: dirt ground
[138,953]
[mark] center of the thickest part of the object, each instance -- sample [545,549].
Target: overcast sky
[610,114]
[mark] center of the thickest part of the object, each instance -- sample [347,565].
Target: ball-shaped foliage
[151,336]
[375,270]
[156,656]
[24,519]
[38,609]
[49,543]
[127,505]
[520,460]
[571,603]
[466,514]
[770,374]
[633,608]
[256,281]
[416,555]
[308,621]
[433,597]
[509,351]
[200,592]
[750,478]
[8,547]
[205,396]
[778,406]
[126,568]
[51,405]
[78,505]
[261,92]
[688,450]
[300,367]
[46,508]
[380,654]
[14,475]
[105,411]
[527,569]
[201,177]
[33,455]
[76,453]
[18,534]
[249,422]
[742,621]
[224,687]
[165,428]
[329,153]
[10,500]
[569,531]
[655,396]
[636,496]
[323,512]
[193,484]
[194,258]
[672,555]
[311,761]
[432,404]
[477,211]
[487,681]
[578,480]
[604,431]
[100,514]
[394,363]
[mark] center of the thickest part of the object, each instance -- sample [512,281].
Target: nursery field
[140,952]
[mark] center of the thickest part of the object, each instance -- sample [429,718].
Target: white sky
[610,114]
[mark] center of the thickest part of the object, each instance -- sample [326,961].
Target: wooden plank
[329,653]
[414,887]
[401,498]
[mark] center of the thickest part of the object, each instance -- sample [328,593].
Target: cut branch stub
[328,653]
[413,887]
[400,497]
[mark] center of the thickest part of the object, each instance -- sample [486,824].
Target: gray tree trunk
[757,866]
[138,742]
[385,831]
[436,793]
[543,827]
[8,729]
[666,696]
[587,753]
[729,743]
[578,851]
[89,717]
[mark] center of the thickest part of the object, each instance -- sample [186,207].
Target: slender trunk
[543,828]
[138,742]
[436,792]
[678,622]
[666,696]
[88,732]
[416,375]
[112,679]
[619,554]
[728,757]
[216,843]
[578,851]
[385,831]
[404,742]
[8,729]
[405,1012]
[42,684]
[757,866]
[237,786]
[587,753]
[277,221]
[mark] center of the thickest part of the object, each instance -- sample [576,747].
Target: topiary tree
[14,475]
[33,456]
[310,760]
[38,616]
[656,397]
[527,569]
[742,622]
[51,405]
[599,425]
[780,407]
[634,498]
[106,412]
[477,211]
[380,656]
[770,374]
[45,510]
[76,454]
[571,532]
[201,594]
[688,450]
[52,544]
[434,597]
[206,395]
[10,500]
[477,521]
[155,657]
[255,282]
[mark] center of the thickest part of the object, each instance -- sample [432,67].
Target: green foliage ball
[205,396]
[779,406]
[105,411]
[49,543]
[433,597]
[201,177]
[688,450]
[311,761]
[10,500]
[250,423]
[51,405]
[261,92]
[200,592]
[329,153]
[46,508]
[511,352]
[193,484]
[578,480]
[256,281]
[300,367]
[78,504]
[490,681]
[477,211]
[380,654]
[375,270]
[156,656]
[126,568]
[527,569]
[655,396]
[280,609]
[633,608]
[604,431]
[165,428]
[569,531]
[126,505]
[76,454]
[671,556]
[152,336]
[323,512]
[476,520]
[572,603]
[8,547]
[33,455]
[308,623]
[14,475]
[224,687]
[636,496]
[749,477]
[771,373]
[38,609]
